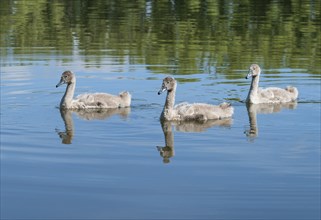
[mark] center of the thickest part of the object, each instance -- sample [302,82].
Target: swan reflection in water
[86,114]
[254,109]
[168,151]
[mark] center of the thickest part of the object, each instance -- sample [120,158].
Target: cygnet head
[254,71]
[67,77]
[169,83]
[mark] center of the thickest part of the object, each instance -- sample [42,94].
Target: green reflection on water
[178,37]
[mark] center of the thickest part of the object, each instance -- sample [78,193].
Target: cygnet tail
[227,108]
[126,98]
[294,91]
[225,105]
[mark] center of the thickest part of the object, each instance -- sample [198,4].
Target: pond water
[264,163]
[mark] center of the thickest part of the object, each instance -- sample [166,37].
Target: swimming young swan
[269,95]
[89,101]
[186,111]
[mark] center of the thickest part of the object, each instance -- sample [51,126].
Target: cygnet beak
[161,91]
[60,83]
[249,75]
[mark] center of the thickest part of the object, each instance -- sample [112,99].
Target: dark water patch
[309,101]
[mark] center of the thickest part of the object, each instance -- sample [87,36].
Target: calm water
[264,163]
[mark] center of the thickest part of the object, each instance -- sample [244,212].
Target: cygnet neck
[170,99]
[254,87]
[68,96]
